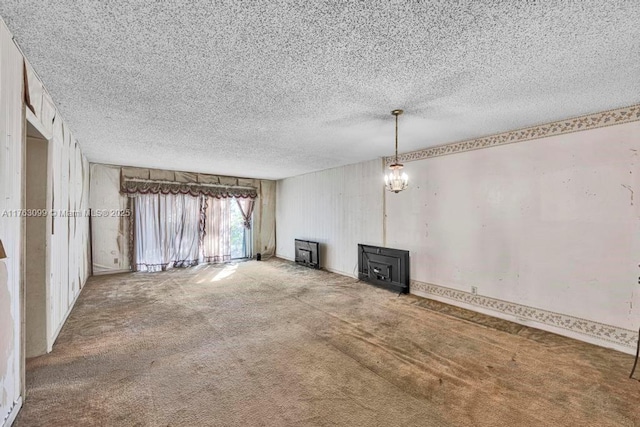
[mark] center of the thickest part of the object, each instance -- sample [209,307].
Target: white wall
[69,254]
[338,207]
[110,233]
[11,190]
[69,190]
[549,224]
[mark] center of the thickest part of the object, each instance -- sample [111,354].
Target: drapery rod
[190,183]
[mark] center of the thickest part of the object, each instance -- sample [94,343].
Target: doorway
[38,229]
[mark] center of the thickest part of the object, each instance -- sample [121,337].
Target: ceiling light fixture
[394,180]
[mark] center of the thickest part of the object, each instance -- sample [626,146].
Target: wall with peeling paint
[67,254]
[549,224]
[11,201]
[110,233]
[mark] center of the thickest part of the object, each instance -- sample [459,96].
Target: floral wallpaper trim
[613,334]
[587,122]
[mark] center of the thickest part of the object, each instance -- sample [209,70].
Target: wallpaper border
[561,127]
[601,331]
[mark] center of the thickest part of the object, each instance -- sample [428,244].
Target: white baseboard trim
[342,273]
[13,413]
[103,273]
[284,257]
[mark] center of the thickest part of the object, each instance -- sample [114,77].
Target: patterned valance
[154,181]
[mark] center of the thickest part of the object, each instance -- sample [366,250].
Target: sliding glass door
[241,236]
[182,230]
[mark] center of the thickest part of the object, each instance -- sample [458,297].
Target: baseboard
[103,273]
[342,273]
[285,257]
[13,413]
[600,334]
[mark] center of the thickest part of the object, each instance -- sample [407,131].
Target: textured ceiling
[279,88]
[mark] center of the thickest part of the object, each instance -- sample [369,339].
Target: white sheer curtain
[167,231]
[149,252]
[185,229]
[216,242]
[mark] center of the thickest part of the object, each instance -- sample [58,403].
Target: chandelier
[396,180]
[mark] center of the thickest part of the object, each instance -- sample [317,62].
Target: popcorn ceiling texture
[280,88]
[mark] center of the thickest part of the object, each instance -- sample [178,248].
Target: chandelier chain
[396,139]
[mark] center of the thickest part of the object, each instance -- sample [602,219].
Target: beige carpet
[274,344]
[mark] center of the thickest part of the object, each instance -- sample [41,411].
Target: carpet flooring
[275,344]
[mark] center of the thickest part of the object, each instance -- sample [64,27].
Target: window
[182,230]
